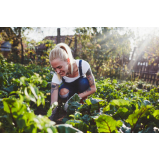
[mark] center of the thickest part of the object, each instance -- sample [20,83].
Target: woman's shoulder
[83,61]
[85,65]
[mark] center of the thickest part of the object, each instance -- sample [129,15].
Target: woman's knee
[63,91]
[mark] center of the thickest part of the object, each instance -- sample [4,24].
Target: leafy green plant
[130,112]
[107,124]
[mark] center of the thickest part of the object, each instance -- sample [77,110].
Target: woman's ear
[68,60]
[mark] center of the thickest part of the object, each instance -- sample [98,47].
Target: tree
[101,46]
[19,32]
[43,49]
[14,35]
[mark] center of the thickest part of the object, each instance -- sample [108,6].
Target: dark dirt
[60,114]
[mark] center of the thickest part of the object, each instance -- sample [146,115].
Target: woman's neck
[75,69]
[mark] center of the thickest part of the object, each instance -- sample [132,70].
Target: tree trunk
[20,36]
[22,51]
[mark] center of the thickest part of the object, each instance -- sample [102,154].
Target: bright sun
[141,31]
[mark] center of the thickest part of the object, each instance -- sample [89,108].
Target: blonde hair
[63,52]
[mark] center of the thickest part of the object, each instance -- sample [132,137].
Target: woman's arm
[92,85]
[54,92]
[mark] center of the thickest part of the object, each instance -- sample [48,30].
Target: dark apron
[73,86]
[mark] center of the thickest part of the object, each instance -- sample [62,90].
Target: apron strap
[63,80]
[80,67]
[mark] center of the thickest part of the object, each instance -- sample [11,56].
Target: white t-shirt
[85,67]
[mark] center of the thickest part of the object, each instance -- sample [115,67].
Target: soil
[60,114]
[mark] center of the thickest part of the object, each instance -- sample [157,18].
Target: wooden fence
[147,70]
[138,67]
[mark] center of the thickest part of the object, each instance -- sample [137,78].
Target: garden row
[115,107]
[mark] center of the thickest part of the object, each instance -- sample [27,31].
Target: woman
[76,75]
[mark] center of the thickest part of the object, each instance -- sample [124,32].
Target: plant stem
[12,117]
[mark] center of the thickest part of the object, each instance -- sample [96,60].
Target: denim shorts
[78,86]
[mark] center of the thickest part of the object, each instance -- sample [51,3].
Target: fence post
[58,35]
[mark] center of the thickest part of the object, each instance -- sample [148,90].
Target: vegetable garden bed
[126,107]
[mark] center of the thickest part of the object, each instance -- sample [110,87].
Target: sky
[42,32]
[145,30]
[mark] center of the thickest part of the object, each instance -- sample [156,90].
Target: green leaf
[21,98]
[156,114]
[33,91]
[72,116]
[49,112]
[74,98]
[84,108]
[133,118]
[3,94]
[93,129]
[73,106]
[39,100]
[44,83]
[107,108]
[15,92]
[119,102]
[114,81]
[64,120]
[22,81]
[6,106]
[66,128]
[150,129]
[29,96]
[95,117]
[88,101]
[107,124]
[21,121]
[94,103]
[146,102]
[77,115]
[78,124]
[86,118]
[125,129]
[95,100]
[43,100]
[11,105]
[122,113]
[9,89]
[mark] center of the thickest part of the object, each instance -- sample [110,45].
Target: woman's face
[60,66]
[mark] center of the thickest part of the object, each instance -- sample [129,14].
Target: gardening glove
[54,110]
[52,117]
